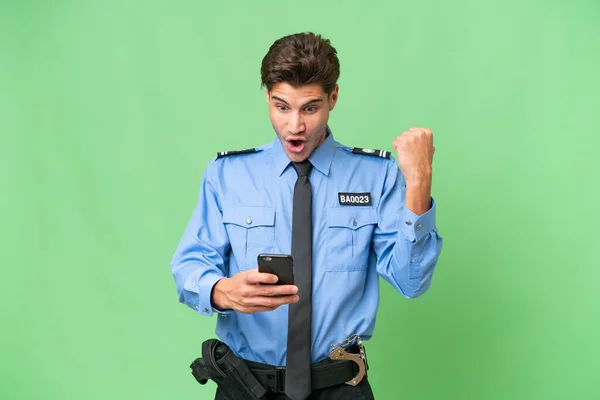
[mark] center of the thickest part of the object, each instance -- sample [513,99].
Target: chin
[297,157]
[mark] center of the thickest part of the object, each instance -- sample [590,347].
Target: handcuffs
[339,352]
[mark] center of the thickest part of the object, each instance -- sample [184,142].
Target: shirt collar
[320,158]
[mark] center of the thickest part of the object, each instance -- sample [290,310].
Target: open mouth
[296,146]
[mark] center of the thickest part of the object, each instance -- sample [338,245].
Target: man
[346,215]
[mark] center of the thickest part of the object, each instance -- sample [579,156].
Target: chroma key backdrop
[111,110]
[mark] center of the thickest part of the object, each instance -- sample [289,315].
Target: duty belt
[347,364]
[323,374]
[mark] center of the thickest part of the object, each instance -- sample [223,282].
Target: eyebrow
[304,105]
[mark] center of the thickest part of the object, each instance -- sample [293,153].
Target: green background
[110,111]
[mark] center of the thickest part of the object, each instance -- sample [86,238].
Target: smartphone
[281,265]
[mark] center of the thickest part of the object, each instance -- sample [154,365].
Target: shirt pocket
[251,231]
[349,232]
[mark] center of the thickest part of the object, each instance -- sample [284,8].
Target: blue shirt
[245,208]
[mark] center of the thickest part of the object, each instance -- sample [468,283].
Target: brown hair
[301,59]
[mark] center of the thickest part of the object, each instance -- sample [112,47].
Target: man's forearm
[218,298]
[418,196]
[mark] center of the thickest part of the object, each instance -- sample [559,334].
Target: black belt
[239,377]
[324,374]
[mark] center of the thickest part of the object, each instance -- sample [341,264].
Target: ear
[333,97]
[267,95]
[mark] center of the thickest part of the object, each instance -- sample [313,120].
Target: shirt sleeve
[201,256]
[407,245]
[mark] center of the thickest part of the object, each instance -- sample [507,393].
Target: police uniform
[361,230]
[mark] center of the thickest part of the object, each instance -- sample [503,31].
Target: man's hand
[245,294]
[415,158]
[415,154]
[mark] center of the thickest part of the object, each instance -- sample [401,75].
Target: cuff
[414,226]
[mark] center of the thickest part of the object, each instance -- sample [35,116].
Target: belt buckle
[339,352]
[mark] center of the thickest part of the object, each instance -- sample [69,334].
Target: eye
[310,109]
[281,107]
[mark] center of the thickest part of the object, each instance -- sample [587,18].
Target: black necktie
[298,363]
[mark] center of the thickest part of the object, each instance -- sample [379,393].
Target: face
[299,116]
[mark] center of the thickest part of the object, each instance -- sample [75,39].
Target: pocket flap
[352,218]
[249,216]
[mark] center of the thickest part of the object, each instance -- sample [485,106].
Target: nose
[296,124]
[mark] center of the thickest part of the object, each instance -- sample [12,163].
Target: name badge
[355,199]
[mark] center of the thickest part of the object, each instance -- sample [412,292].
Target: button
[206,310]
[224,315]
[354,222]
[413,260]
[409,222]
[249,221]
[418,227]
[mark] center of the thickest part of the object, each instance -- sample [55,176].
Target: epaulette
[372,152]
[232,153]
